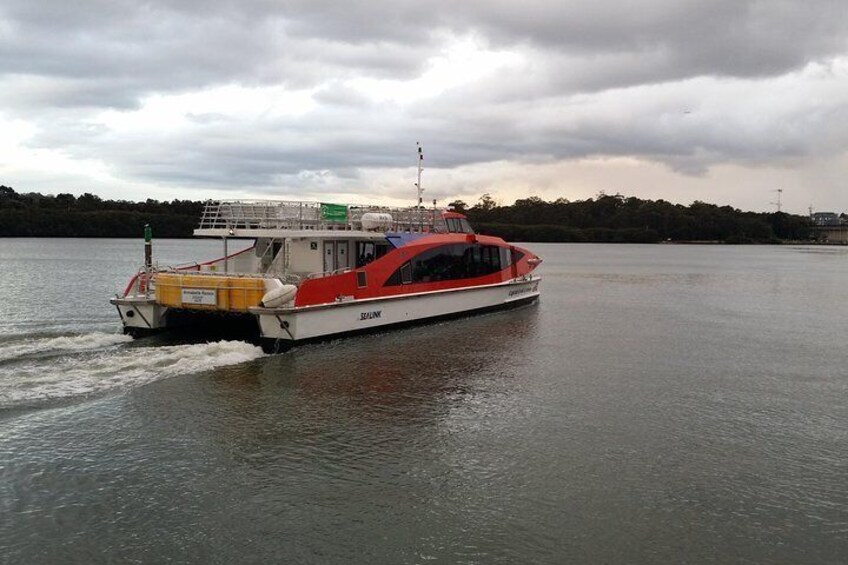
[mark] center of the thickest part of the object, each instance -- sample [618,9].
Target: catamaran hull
[282,327]
[141,316]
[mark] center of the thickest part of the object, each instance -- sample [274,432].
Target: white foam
[117,368]
[84,342]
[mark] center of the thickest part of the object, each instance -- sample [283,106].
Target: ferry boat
[317,270]
[320,270]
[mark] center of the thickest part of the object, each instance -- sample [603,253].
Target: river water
[660,404]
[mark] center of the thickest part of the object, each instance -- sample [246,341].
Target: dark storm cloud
[120,52]
[721,37]
[675,38]
[134,48]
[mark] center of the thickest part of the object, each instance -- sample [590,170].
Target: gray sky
[721,101]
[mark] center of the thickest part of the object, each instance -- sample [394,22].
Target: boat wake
[38,370]
[29,346]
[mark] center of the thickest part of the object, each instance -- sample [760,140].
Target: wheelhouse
[452,222]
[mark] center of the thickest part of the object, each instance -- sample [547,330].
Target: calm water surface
[661,404]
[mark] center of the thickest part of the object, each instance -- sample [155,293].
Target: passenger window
[361,279]
[365,251]
[506,257]
[451,262]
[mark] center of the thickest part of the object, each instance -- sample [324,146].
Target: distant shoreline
[603,219]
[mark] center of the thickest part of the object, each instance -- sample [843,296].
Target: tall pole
[779,191]
[226,256]
[148,257]
[148,247]
[420,188]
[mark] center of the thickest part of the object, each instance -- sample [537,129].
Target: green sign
[333,212]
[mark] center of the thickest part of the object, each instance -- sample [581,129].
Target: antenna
[420,169]
[779,191]
[418,184]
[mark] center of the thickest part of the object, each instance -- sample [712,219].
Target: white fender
[277,293]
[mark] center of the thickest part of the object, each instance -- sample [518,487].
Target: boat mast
[419,187]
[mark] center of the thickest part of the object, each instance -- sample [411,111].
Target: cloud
[134,49]
[307,97]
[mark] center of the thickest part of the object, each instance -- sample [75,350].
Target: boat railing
[304,215]
[289,278]
[328,273]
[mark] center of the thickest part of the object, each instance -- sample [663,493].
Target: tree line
[617,218]
[65,215]
[605,218]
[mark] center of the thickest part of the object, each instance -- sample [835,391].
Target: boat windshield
[458,225]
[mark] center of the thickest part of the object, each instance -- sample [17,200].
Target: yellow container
[196,292]
[168,288]
[207,292]
[245,292]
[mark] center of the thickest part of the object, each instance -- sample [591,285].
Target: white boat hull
[140,315]
[283,326]
[286,326]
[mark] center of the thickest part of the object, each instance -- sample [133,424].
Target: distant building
[825,219]
[829,227]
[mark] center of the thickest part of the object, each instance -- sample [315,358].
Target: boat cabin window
[267,250]
[439,225]
[506,256]
[406,274]
[367,251]
[458,225]
[449,262]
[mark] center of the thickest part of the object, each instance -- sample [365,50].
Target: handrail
[307,215]
[319,275]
